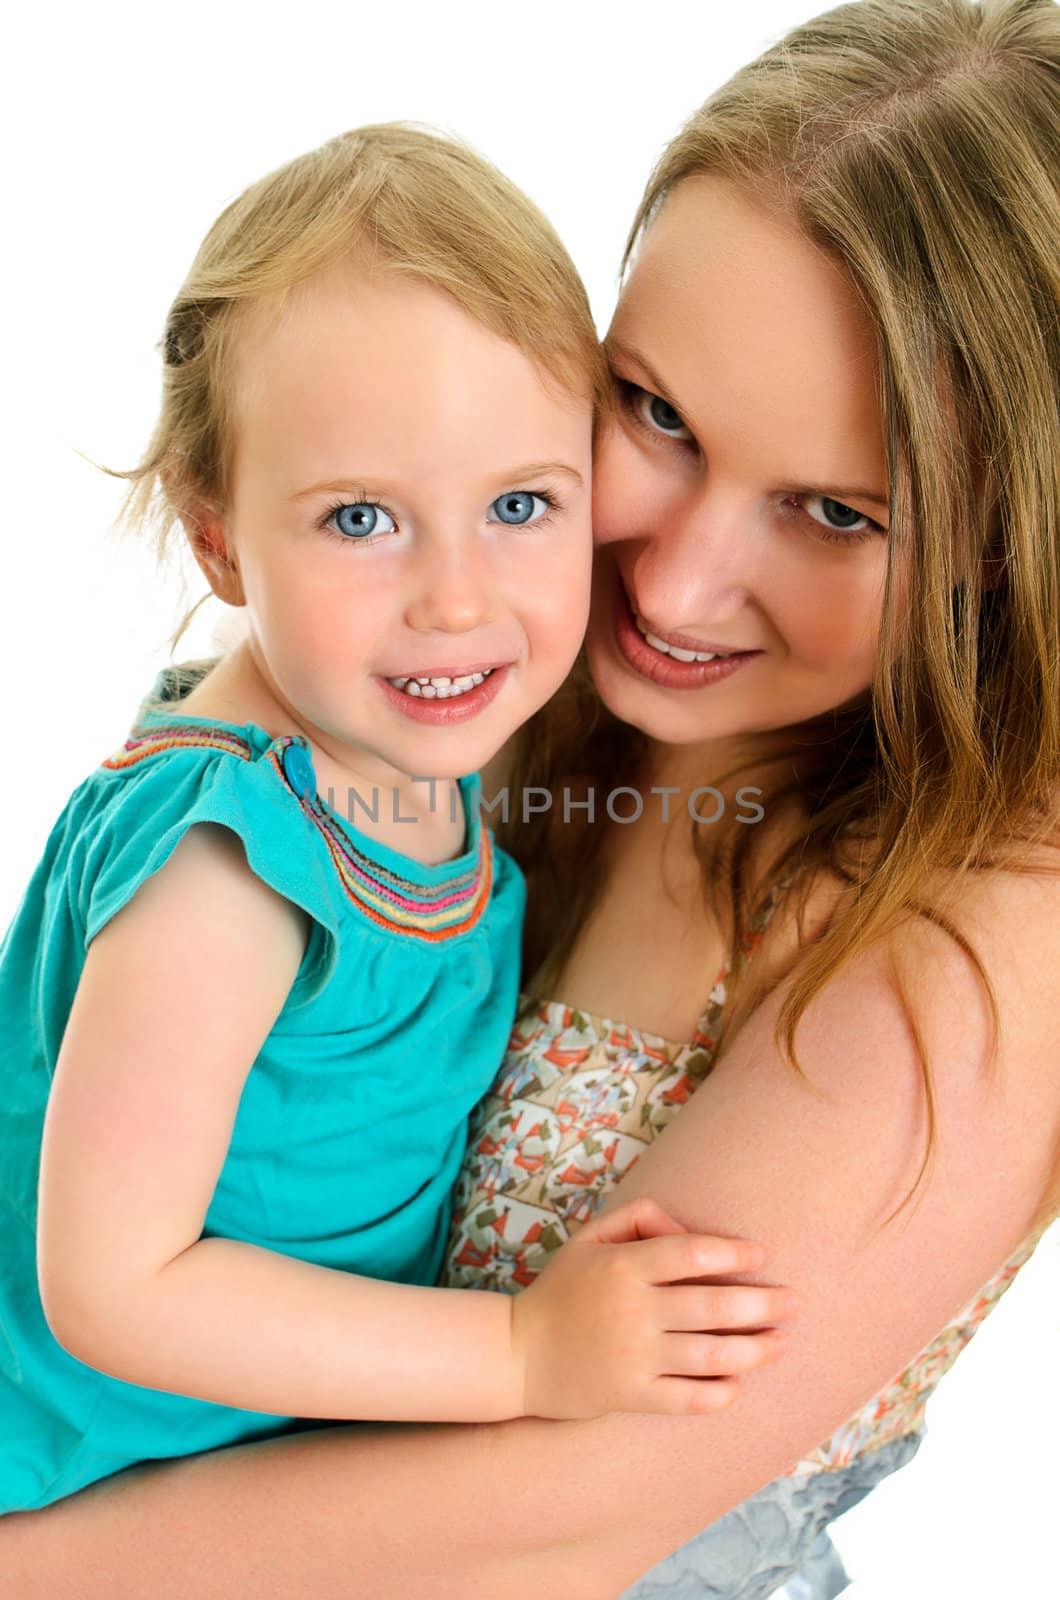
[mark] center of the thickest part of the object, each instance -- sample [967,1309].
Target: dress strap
[705,1036]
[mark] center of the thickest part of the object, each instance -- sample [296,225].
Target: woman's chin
[635,700]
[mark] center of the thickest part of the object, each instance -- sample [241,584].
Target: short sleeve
[145,811]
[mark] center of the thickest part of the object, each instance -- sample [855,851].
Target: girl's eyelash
[628,393]
[360,498]
[551,499]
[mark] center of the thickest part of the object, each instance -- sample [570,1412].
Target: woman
[833,458]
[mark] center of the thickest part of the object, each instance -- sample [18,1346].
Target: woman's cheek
[838,622]
[619,499]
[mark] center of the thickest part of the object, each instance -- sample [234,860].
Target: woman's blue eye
[659,415]
[360,520]
[834,514]
[663,414]
[518,508]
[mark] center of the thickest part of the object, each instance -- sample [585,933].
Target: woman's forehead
[749,326]
[716,252]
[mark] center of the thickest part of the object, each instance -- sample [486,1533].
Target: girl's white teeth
[440,688]
[672,649]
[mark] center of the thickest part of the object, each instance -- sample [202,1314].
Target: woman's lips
[667,671]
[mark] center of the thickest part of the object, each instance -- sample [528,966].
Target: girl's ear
[207,535]
[212,549]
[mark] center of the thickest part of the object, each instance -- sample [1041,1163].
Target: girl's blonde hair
[918,142]
[393,198]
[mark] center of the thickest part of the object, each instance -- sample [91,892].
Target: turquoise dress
[353,1119]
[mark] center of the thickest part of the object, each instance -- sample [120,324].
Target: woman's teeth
[672,649]
[440,688]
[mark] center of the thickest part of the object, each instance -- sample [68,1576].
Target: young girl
[245,1024]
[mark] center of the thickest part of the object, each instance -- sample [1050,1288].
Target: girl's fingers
[690,1397]
[643,1218]
[695,1255]
[705,1355]
[716,1308]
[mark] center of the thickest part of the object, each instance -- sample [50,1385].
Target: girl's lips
[439,713]
[666,671]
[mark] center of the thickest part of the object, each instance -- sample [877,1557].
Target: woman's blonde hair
[393,198]
[918,142]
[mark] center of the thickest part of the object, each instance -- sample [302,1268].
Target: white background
[127,129]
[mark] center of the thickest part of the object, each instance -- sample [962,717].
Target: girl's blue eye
[518,508]
[835,515]
[360,520]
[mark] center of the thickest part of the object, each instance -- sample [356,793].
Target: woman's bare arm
[501,1512]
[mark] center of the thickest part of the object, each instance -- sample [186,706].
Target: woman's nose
[696,565]
[452,591]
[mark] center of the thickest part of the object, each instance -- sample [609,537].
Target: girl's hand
[614,1324]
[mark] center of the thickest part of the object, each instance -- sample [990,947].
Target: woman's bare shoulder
[1007,916]
[905,1066]
[1001,925]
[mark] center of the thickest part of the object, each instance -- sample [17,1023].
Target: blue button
[298,770]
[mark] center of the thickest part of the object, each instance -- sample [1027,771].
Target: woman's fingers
[719,1307]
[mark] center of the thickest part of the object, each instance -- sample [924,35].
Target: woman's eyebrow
[610,343]
[833,491]
[845,494]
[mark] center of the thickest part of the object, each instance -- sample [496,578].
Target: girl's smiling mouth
[445,697]
[441,686]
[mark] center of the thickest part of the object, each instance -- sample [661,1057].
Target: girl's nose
[452,592]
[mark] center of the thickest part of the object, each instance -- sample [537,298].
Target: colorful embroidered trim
[176,736]
[433,913]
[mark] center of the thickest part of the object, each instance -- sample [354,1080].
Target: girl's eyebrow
[533,470]
[536,468]
[834,492]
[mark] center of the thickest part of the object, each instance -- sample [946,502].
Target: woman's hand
[617,1322]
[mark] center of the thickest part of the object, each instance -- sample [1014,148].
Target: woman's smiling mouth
[669,664]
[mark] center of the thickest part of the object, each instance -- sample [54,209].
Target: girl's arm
[177,996]
[511,1511]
